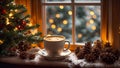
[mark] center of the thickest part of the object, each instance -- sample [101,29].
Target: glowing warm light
[65,22]
[107,41]
[34,31]
[51,20]
[16,10]
[34,45]
[7,21]
[61,6]
[28,19]
[13,3]
[59,29]
[94,16]
[30,24]
[1,42]
[15,29]
[11,14]
[57,15]
[53,26]
[70,12]
[91,21]
[92,13]
[11,10]
[93,27]
[80,35]
[12,17]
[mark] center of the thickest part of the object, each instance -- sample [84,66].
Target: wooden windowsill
[13,62]
[39,62]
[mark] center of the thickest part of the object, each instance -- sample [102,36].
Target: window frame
[73,4]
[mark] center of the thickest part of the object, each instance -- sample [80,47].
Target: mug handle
[68,45]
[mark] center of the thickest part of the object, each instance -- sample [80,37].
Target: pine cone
[31,56]
[23,55]
[88,45]
[96,52]
[87,48]
[80,55]
[116,52]
[107,58]
[23,46]
[98,44]
[90,58]
[107,45]
[108,49]
[77,50]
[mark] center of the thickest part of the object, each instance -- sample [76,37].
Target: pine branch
[30,27]
[20,14]
[27,16]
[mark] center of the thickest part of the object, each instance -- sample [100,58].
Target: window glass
[87,23]
[59,20]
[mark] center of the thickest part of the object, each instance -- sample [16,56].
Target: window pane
[88,1]
[57,1]
[59,20]
[88,20]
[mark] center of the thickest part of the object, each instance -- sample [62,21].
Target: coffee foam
[54,38]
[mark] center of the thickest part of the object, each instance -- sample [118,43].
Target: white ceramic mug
[54,44]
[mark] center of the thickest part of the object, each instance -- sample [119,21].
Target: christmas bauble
[23,23]
[3,11]
[20,27]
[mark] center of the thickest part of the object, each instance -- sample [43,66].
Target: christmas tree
[14,28]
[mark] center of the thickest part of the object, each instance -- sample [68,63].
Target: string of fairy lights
[90,23]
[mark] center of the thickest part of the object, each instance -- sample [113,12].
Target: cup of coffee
[54,45]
